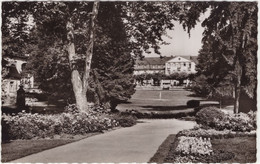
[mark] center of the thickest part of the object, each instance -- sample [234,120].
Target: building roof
[162,60]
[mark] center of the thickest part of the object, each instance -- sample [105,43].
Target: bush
[211,117]
[72,121]
[125,120]
[193,103]
[236,122]
[214,134]
[28,126]
[207,115]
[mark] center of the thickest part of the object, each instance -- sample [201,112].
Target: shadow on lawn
[165,108]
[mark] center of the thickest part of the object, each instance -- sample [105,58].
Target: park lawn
[165,101]
[244,149]
[163,150]
[20,148]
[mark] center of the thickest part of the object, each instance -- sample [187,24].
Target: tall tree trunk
[79,84]
[238,70]
[89,52]
[237,96]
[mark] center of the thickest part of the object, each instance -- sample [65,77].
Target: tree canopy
[229,53]
[92,45]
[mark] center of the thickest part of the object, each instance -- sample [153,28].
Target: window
[184,64]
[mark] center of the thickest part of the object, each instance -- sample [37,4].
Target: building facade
[13,78]
[166,65]
[150,65]
[180,64]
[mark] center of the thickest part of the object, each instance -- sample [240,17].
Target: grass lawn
[163,150]
[20,148]
[243,148]
[158,101]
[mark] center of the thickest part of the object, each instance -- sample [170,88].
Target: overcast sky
[181,44]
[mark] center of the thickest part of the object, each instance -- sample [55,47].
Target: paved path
[133,144]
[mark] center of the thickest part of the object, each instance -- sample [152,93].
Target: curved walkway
[133,144]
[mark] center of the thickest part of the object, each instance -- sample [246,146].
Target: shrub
[207,115]
[72,121]
[193,103]
[236,122]
[211,117]
[125,120]
[214,134]
[28,126]
[71,108]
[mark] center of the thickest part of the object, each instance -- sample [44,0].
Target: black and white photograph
[129,81]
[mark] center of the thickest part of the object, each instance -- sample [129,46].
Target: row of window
[179,69]
[178,64]
[149,66]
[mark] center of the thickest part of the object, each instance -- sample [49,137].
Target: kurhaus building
[166,65]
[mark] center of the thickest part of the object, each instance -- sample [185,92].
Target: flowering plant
[28,126]
[194,146]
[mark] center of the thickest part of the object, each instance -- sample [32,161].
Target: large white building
[180,64]
[166,65]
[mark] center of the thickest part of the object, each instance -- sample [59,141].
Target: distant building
[180,64]
[150,65]
[165,65]
[13,79]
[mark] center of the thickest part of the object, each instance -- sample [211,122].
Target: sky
[180,43]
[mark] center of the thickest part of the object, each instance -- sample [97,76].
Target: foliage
[157,77]
[241,122]
[121,29]
[73,121]
[200,86]
[15,28]
[207,115]
[125,120]
[229,53]
[214,134]
[215,118]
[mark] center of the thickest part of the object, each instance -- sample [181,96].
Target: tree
[15,28]
[230,32]
[66,31]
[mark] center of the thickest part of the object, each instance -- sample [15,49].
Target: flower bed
[195,145]
[28,126]
[193,150]
[214,134]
